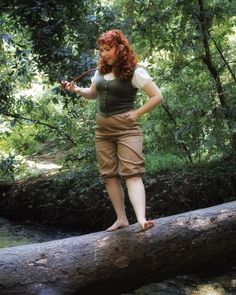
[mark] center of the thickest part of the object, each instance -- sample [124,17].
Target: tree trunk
[114,262]
[207,59]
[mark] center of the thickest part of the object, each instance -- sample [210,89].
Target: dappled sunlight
[208,289]
[194,223]
[34,91]
[198,222]
[42,166]
[103,242]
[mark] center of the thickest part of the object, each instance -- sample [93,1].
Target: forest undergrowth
[77,198]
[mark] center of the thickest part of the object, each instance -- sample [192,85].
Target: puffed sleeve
[94,76]
[141,78]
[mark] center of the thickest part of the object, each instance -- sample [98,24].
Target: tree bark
[115,262]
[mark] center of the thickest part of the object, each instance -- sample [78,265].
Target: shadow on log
[115,262]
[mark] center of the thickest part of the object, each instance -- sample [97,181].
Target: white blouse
[139,80]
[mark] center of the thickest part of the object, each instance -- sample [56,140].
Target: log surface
[113,262]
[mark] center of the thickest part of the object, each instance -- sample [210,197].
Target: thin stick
[83,74]
[64,83]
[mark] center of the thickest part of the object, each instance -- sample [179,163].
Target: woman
[118,135]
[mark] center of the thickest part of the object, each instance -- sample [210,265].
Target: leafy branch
[37,122]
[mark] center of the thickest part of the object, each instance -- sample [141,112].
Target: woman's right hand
[69,86]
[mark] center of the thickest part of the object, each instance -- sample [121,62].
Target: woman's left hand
[132,115]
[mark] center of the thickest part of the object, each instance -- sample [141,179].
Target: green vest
[114,96]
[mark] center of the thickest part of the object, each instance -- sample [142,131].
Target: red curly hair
[125,64]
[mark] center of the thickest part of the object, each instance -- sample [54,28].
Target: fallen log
[115,262]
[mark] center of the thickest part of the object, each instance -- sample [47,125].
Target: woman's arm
[155,97]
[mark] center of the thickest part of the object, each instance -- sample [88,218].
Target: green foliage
[7,167]
[6,239]
[194,65]
[10,165]
[63,33]
[184,60]
[24,140]
[157,162]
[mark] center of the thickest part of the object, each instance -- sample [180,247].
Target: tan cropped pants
[119,142]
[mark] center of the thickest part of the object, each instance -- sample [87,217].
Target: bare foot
[147,225]
[118,224]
